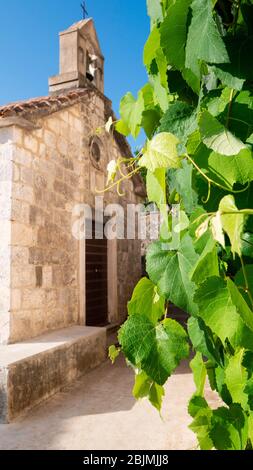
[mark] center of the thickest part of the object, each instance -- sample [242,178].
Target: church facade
[58,293]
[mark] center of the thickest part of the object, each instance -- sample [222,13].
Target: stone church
[59,295]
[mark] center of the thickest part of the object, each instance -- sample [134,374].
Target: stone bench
[34,370]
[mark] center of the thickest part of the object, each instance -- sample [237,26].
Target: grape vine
[197,113]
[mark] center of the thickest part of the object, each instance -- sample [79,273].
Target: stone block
[23,276]
[26,176]
[21,326]
[22,235]
[30,143]
[33,371]
[23,192]
[36,216]
[16,299]
[47,276]
[36,256]
[54,125]
[50,139]
[22,157]
[62,146]
[16,173]
[19,256]
[33,299]
[20,211]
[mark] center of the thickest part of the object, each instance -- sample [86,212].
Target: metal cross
[83,6]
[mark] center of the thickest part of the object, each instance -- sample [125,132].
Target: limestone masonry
[51,159]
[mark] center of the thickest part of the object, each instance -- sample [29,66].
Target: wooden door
[96,281]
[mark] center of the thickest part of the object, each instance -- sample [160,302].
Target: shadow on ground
[99,412]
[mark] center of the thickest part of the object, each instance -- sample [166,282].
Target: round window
[95,151]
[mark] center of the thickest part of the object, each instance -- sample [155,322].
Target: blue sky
[29,44]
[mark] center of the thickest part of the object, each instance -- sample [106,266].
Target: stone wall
[6,153]
[51,171]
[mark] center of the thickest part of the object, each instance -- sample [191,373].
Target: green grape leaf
[220,168]
[181,181]
[156,395]
[240,282]
[151,46]
[201,426]
[131,112]
[247,244]
[144,387]
[250,427]
[156,187]
[174,33]
[114,353]
[170,271]
[234,73]
[122,128]
[239,114]
[162,66]
[196,405]
[204,42]
[180,120]
[218,311]
[150,121]
[232,223]
[229,428]
[199,373]
[155,10]
[216,137]
[161,152]
[192,80]
[227,77]
[156,350]
[230,170]
[202,338]
[161,97]
[194,142]
[148,96]
[210,368]
[242,307]
[216,308]
[236,378]
[221,386]
[207,265]
[197,217]
[217,230]
[146,301]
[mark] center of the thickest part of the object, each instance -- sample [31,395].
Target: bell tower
[81,59]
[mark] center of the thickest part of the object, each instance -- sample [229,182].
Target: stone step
[34,370]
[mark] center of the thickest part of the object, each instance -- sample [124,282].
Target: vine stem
[117,183]
[210,181]
[242,211]
[210,214]
[247,289]
[230,107]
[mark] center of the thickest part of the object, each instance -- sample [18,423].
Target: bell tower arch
[81,59]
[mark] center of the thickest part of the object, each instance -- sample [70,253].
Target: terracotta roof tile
[38,104]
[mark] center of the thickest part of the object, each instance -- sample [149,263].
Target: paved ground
[98,412]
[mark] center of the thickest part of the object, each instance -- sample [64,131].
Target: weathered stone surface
[49,170]
[32,372]
[6,184]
